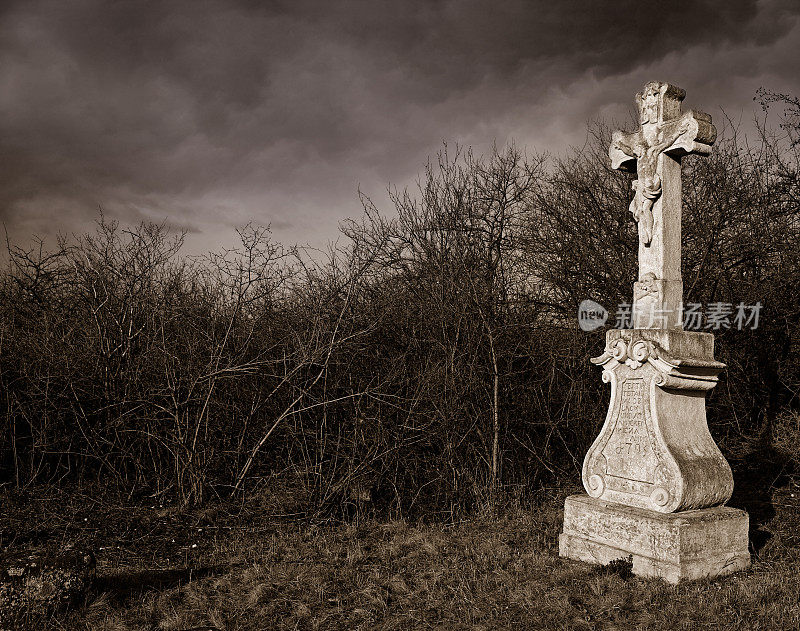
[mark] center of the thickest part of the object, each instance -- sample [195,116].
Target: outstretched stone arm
[622,151]
[671,138]
[697,136]
[622,144]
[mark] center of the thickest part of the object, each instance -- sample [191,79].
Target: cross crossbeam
[654,153]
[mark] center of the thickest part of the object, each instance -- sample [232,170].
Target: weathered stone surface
[654,153]
[34,583]
[654,450]
[687,545]
[691,346]
[654,455]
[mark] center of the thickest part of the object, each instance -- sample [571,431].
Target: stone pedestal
[673,546]
[654,450]
[655,478]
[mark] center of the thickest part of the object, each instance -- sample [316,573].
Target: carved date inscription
[629,452]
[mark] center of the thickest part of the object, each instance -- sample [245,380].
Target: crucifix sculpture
[654,153]
[656,482]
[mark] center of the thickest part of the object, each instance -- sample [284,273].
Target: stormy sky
[211,114]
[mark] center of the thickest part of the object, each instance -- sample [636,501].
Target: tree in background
[424,366]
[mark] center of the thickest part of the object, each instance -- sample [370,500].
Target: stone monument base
[673,546]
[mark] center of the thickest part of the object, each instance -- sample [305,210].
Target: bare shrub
[427,364]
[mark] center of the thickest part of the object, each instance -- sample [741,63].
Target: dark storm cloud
[212,114]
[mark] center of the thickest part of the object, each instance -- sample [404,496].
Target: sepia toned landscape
[527,389]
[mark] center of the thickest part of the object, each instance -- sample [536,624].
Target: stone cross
[656,483]
[654,153]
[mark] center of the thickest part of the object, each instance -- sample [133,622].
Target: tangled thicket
[432,361]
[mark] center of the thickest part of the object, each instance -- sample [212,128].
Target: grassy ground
[240,568]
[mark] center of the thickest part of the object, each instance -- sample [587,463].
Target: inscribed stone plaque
[629,452]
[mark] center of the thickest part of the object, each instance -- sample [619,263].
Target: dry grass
[490,572]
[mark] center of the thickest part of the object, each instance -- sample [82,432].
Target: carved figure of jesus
[654,152]
[646,148]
